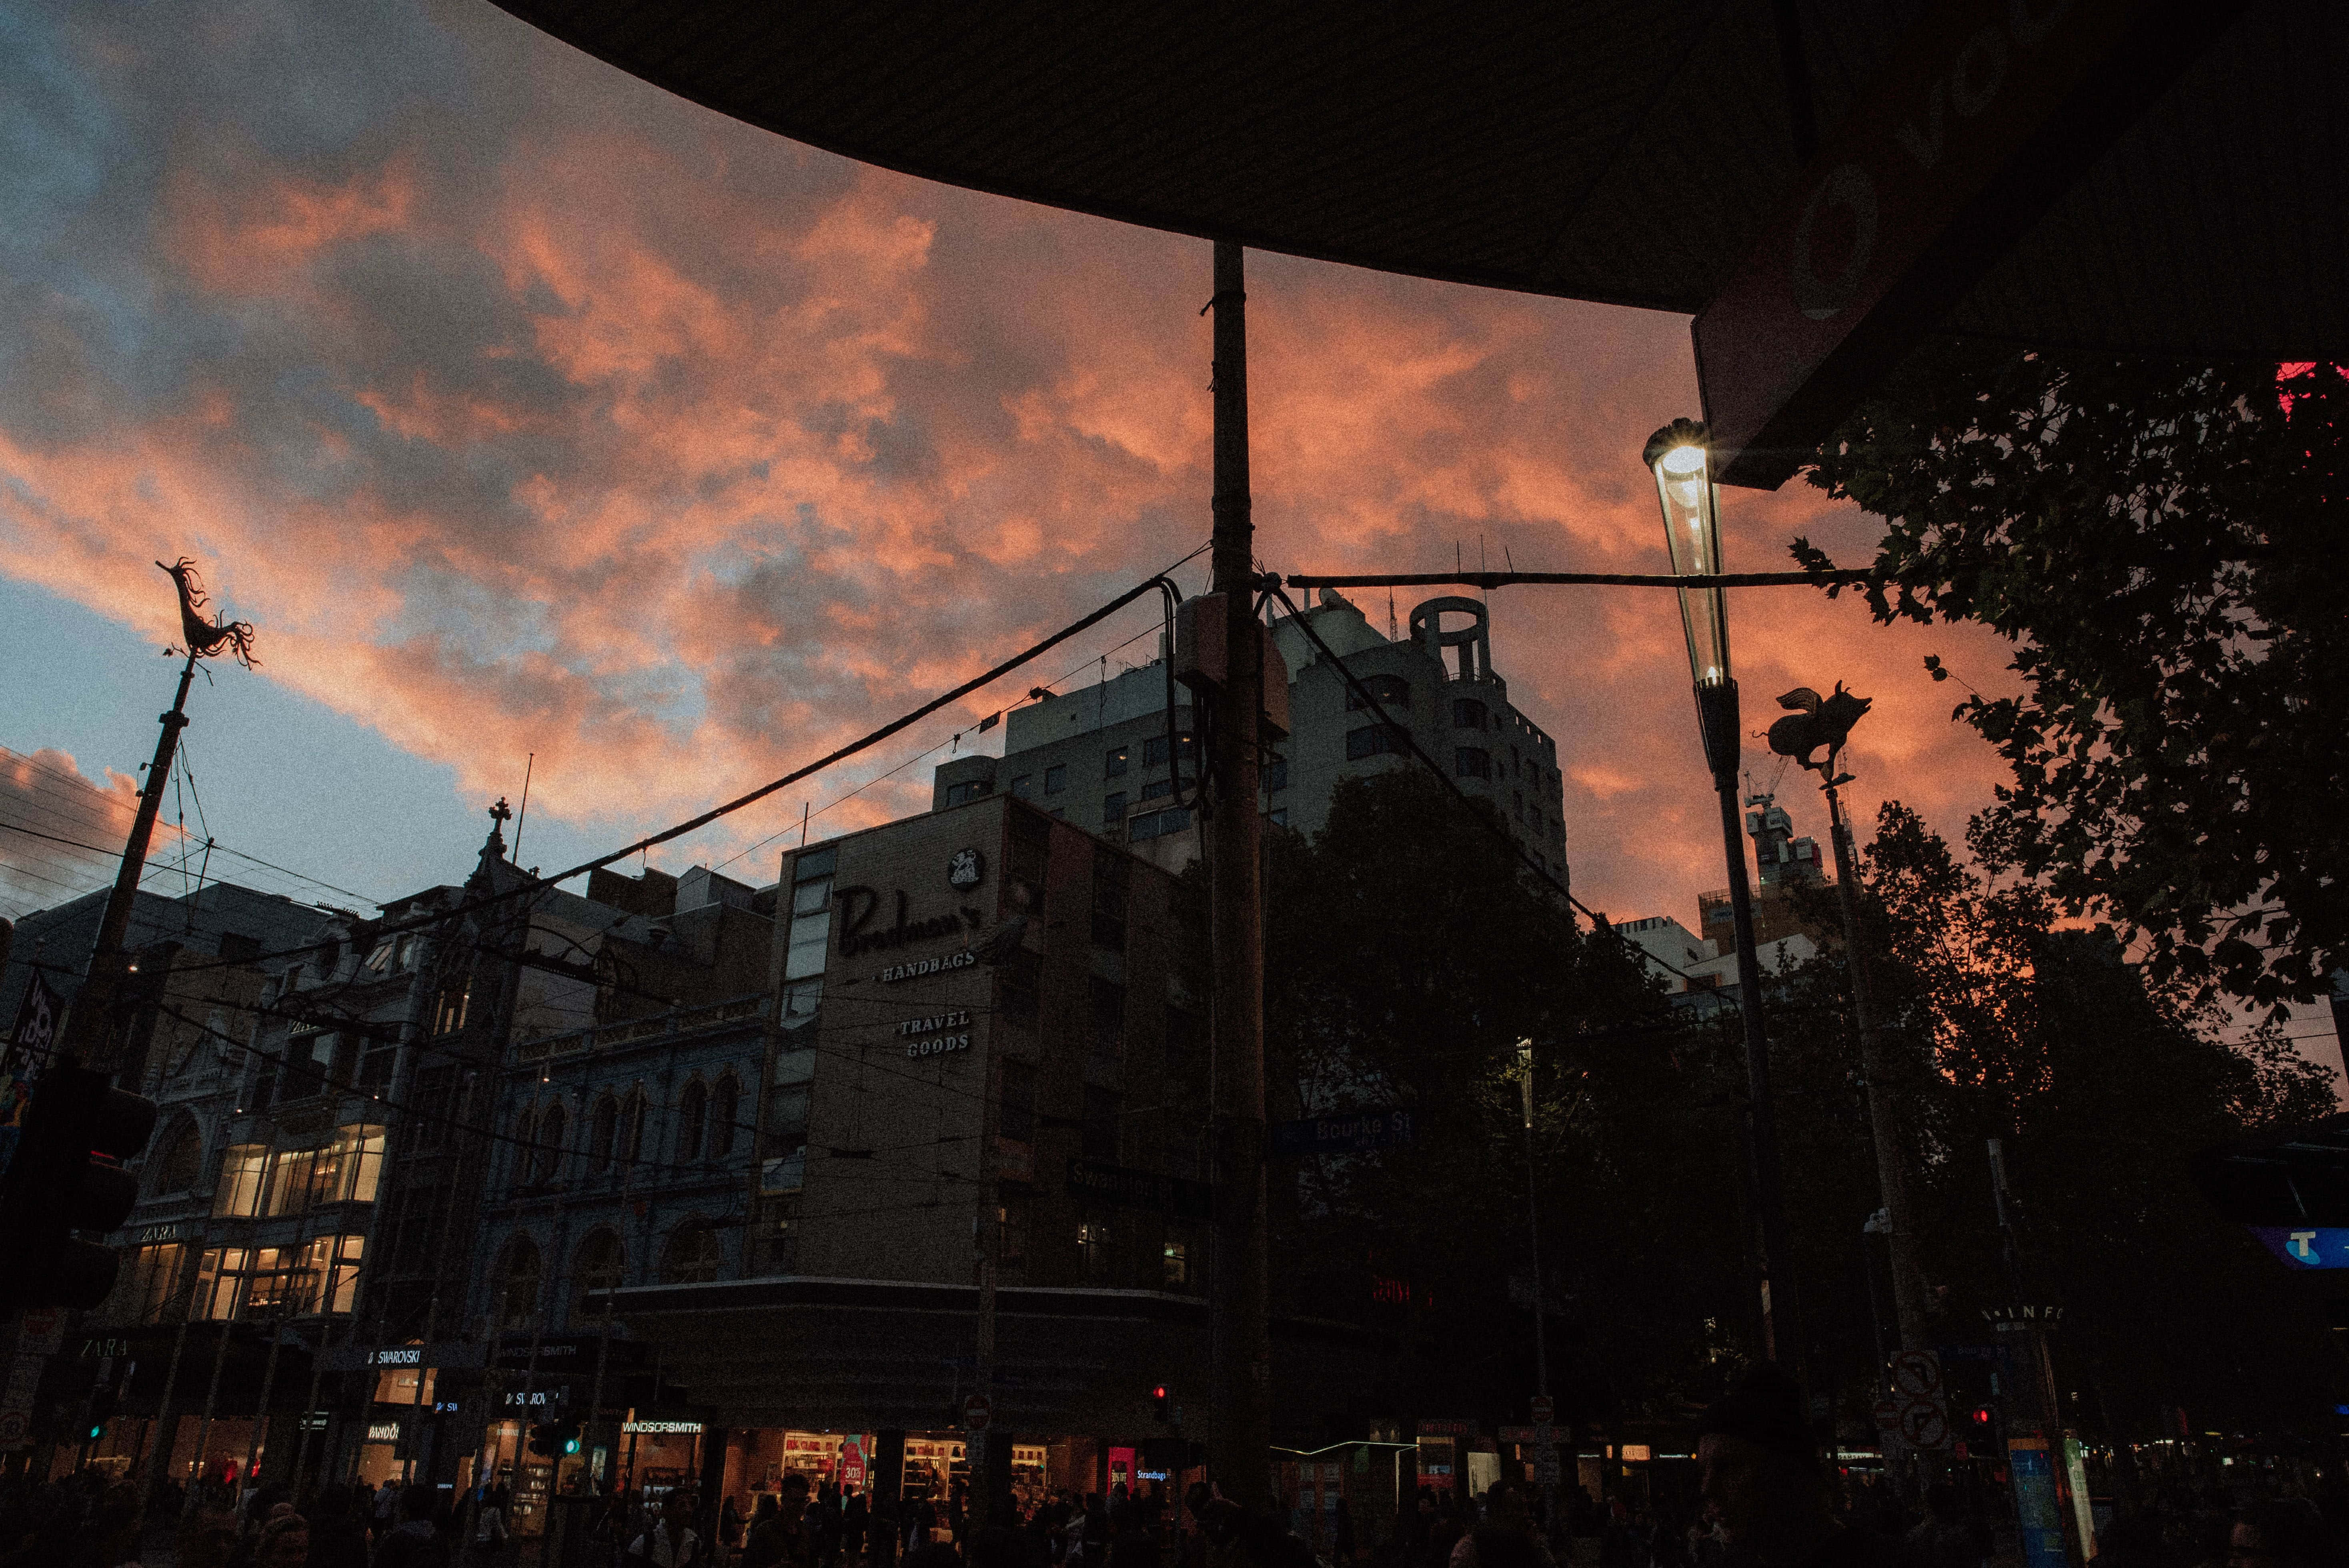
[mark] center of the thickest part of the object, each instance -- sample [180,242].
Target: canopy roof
[1629,153]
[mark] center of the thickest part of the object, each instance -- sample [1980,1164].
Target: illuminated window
[220,1276]
[1113,763]
[155,1280]
[1174,1260]
[244,1171]
[1392,692]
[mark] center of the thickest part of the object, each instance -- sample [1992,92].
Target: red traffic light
[1159,1392]
[1982,1415]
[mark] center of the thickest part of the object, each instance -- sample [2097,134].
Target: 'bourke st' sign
[1353,1134]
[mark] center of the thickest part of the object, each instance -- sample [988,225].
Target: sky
[538,419]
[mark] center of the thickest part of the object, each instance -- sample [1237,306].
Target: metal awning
[1627,153]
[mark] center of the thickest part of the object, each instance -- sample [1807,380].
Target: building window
[692,1110]
[1472,763]
[1393,693]
[1109,900]
[787,1122]
[725,1115]
[220,1279]
[1100,1131]
[1157,788]
[632,1127]
[1113,814]
[1093,1247]
[327,1274]
[455,1004]
[1174,1265]
[244,1171]
[1279,816]
[1113,763]
[1156,824]
[1022,980]
[601,1132]
[811,932]
[550,1129]
[155,1280]
[181,1165]
[600,1264]
[1372,741]
[1024,786]
[1012,1214]
[514,1297]
[1154,748]
[1275,774]
[1467,713]
[1108,1021]
[970,789]
[1016,1113]
[1031,856]
[1055,778]
[692,1256]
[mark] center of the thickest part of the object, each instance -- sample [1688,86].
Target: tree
[2161,545]
[2101,1083]
[1407,952]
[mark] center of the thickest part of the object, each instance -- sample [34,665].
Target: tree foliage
[1407,954]
[2101,1085]
[2161,545]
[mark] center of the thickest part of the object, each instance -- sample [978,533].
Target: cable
[531,883]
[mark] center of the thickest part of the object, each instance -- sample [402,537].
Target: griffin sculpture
[1816,721]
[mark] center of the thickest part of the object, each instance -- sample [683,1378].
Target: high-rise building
[1101,757]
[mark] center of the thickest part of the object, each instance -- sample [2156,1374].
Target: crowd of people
[1765,1501]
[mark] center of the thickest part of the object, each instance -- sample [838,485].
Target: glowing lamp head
[1681,458]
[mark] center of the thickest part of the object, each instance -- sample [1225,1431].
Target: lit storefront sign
[688,1429]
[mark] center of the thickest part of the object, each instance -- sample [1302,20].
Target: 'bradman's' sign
[857,934]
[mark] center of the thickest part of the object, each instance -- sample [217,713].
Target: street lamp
[1679,457]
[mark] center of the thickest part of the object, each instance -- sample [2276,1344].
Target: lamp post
[1679,457]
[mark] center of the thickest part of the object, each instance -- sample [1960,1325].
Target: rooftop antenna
[1392,634]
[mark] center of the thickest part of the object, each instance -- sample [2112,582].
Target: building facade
[1101,757]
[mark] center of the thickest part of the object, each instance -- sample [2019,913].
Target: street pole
[1544,1443]
[1716,706]
[90,1038]
[1887,1107]
[1241,1350]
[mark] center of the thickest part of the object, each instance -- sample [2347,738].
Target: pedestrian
[766,1542]
[415,1542]
[855,1518]
[669,1541]
[730,1523]
[489,1530]
[338,1537]
[1759,1466]
[285,1543]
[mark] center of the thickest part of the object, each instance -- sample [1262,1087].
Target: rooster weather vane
[203,637]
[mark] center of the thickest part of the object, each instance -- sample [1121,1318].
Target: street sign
[977,1410]
[1355,1133]
[1922,1425]
[1918,1373]
[1545,1410]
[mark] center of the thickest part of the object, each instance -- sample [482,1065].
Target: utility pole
[1544,1444]
[1886,1105]
[90,1038]
[1241,1350]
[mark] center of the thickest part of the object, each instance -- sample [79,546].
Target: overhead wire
[528,883]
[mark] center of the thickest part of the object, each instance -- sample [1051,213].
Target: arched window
[601,1131]
[514,1295]
[181,1163]
[692,1111]
[525,1133]
[693,1254]
[597,1266]
[551,1129]
[725,1111]
[632,1127]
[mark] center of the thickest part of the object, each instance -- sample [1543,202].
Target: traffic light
[67,1176]
[544,1438]
[1162,1404]
[570,1430]
[1981,1417]
[105,1404]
